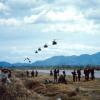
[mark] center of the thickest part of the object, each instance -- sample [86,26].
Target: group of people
[5,75]
[88,73]
[32,73]
[57,77]
[76,74]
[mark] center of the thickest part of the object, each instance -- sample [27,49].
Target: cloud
[20,8]
[9,22]
[4,8]
[49,14]
[24,4]
[69,14]
[34,18]
[83,4]
[67,19]
[54,15]
[72,49]
[83,27]
[93,14]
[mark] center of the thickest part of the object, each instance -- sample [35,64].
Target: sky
[26,25]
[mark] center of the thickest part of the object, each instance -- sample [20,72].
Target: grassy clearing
[23,88]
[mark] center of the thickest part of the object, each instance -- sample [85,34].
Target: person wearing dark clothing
[55,75]
[51,73]
[27,73]
[92,73]
[64,73]
[86,72]
[58,72]
[32,73]
[62,79]
[36,73]
[79,74]
[74,75]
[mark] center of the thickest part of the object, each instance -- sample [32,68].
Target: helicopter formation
[54,42]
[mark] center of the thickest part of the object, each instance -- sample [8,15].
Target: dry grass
[23,88]
[17,91]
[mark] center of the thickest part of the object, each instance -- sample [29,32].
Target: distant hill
[84,59]
[70,60]
[5,64]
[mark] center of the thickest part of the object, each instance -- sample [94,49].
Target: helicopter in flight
[36,51]
[45,46]
[28,59]
[54,42]
[39,49]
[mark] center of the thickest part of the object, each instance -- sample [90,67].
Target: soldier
[32,73]
[92,73]
[55,75]
[64,73]
[27,73]
[51,73]
[74,75]
[62,79]
[36,73]
[87,74]
[79,74]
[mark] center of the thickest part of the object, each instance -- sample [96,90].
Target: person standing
[36,73]
[79,74]
[27,73]
[32,73]
[58,72]
[51,73]
[55,75]
[87,74]
[74,75]
[64,73]
[92,73]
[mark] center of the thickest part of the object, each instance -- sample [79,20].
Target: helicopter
[54,42]
[39,49]
[27,59]
[45,46]
[36,51]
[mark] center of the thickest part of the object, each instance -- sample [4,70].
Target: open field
[23,88]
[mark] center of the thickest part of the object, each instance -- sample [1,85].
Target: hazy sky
[26,25]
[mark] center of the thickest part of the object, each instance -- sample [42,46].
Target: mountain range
[83,59]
